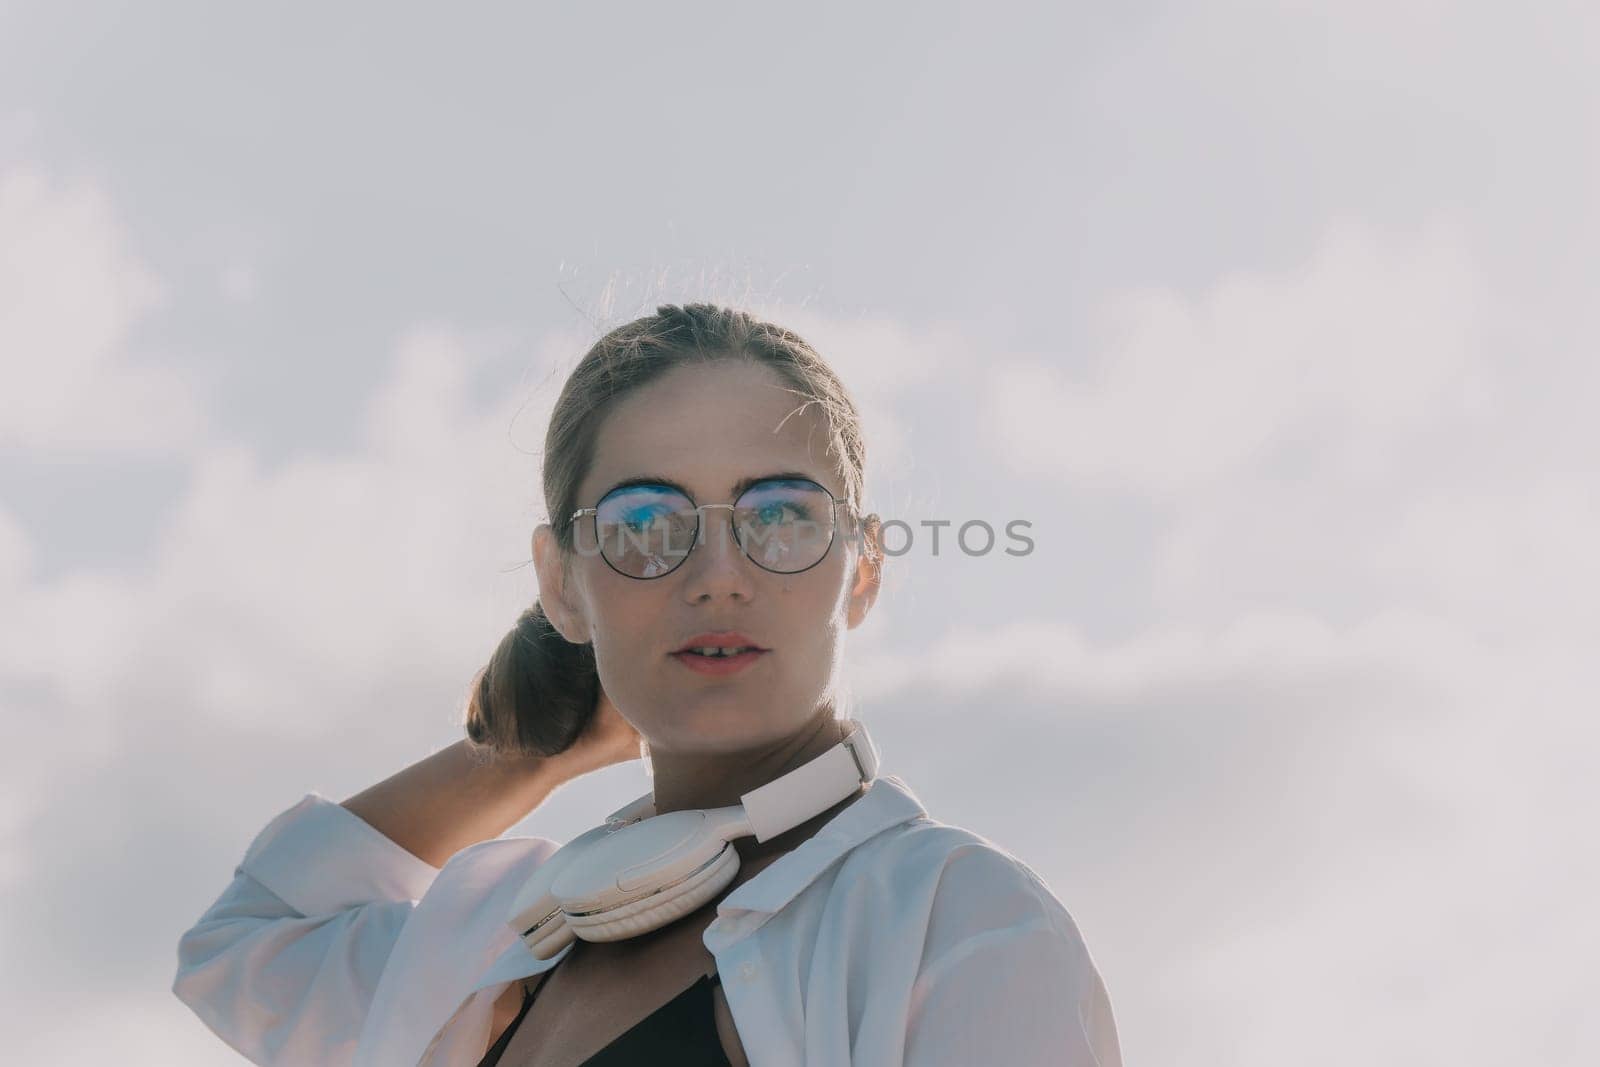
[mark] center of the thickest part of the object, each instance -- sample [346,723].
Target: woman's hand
[607,739]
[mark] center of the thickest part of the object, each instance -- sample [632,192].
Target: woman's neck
[718,779]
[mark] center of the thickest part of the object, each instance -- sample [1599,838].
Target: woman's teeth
[718,652]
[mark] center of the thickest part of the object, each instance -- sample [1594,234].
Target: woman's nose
[717,564]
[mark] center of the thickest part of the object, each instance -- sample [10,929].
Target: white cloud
[71,290]
[1520,560]
[1372,337]
[1053,656]
[292,590]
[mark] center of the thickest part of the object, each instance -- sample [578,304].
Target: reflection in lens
[785,525]
[645,531]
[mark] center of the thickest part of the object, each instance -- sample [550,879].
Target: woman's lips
[718,665]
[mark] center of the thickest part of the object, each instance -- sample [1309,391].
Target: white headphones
[639,871]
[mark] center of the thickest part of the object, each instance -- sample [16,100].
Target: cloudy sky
[1275,320]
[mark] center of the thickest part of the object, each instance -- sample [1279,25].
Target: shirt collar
[887,802]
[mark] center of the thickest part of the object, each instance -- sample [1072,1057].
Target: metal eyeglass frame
[694,542]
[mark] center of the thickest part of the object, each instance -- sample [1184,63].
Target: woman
[378,931]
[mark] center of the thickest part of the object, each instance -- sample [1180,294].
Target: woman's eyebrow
[739,487]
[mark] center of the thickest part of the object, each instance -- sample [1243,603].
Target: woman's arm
[462,794]
[457,797]
[284,965]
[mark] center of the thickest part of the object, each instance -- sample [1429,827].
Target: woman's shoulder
[990,940]
[943,851]
[964,883]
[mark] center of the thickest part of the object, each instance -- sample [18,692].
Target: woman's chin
[716,723]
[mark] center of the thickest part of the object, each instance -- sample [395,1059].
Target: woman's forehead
[708,439]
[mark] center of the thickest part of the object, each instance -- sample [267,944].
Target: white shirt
[886,938]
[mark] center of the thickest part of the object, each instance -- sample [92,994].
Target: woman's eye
[775,512]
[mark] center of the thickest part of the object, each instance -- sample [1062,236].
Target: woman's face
[705,427]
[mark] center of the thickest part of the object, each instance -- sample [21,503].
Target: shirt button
[747,972]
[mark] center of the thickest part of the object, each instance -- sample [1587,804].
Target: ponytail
[537,693]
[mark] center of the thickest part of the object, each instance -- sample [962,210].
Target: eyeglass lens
[783,525]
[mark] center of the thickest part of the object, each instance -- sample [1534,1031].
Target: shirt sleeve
[283,966]
[1006,978]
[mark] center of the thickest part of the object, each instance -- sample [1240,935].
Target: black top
[680,1033]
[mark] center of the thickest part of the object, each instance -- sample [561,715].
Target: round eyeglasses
[784,525]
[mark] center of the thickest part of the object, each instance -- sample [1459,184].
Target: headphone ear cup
[659,909]
[535,901]
[551,938]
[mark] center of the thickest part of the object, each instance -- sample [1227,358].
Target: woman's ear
[555,596]
[869,570]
